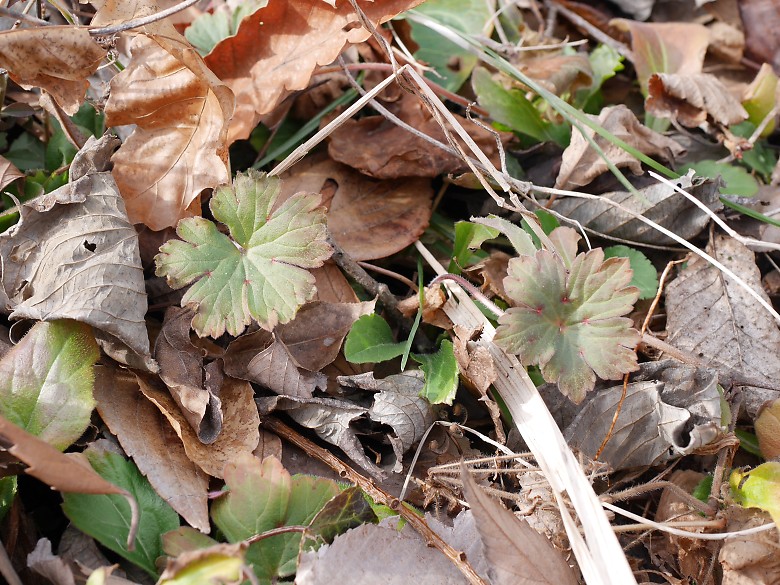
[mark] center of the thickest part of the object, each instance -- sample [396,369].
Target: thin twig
[390,273]
[25,17]
[377,494]
[143,21]
[597,34]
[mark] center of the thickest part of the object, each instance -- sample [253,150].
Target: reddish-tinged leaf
[277,48]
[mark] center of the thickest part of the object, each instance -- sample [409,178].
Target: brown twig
[377,494]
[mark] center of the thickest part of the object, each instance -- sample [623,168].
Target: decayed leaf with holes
[55,58]
[691,99]
[276,50]
[257,273]
[568,321]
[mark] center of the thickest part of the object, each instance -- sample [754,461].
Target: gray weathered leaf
[670,410]
[712,317]
[181,368]
[74,255]
[656,202]
[518,554]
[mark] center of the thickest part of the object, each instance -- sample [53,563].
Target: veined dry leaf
[749,559]
[74,255]
[381,149]
[517,553]
[665,47]
[8,172]
[691,99]
[260,357]
[239,434]
[712,317]
[149,439]
[368,218]
[181,368]
[581,163]
[332,285]
[277,48]
[656,202]
[55,58]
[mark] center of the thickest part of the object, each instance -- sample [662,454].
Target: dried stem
[377,494]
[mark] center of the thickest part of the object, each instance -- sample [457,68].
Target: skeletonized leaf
[261,271]
[55,58]
[569,321]
[46,381]
[75,256]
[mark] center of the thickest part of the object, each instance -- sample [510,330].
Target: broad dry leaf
[381,149]
[657,202]
[149,439]
[559,73]
[665,47]
[367,218]
[712,317]
[332,286]
[8,172]
[760,20]
[181,368]
[239,434]
[55,58]
[749,559]
[582,163]
[262,358]
[277,49]
[517,553]
[691,99]
[74,255]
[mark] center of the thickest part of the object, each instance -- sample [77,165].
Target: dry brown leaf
[277,48]
[315,336]
[517,553]
[8,172]
[691,99]
[581,163]
[239,434]
[332,285]
[55,58]
[559,73]
[260,357]
[149,439]
[749,559]
[761,22]
[665,47]
[181,368]
[379,148]
[369,219]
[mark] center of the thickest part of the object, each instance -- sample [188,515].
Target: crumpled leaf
[260,271]
[263,496]
[656,202]
[367,218]
[691,99]
[669,410]
[277,48]
[665,47]
[55,58]
[749,558]
[74,255]
[195,389]
[582,163]
[8,172]
[46,381]
[712,317]
[568,321]
[263,358]
[150,440]
[518,554]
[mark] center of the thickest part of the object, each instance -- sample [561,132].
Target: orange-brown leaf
[55,58]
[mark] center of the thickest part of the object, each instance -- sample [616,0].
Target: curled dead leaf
[691,99]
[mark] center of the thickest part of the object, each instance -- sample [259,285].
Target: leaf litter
[302,296]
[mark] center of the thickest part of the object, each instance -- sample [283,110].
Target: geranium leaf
[569,322]
[260,273]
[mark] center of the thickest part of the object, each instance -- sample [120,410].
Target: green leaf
[263,496]
[46,381]
[645,275]
[261,271]
[520,239]
[8,487]
[347,510]
[106,518]
[452,64]
[441,374]
[605,62]
[703,489]
[569,321]
[371,341]
[468,236]
[510,107]
[738,180]
[26,153]
[548,222]
[758,488]
[760,98]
